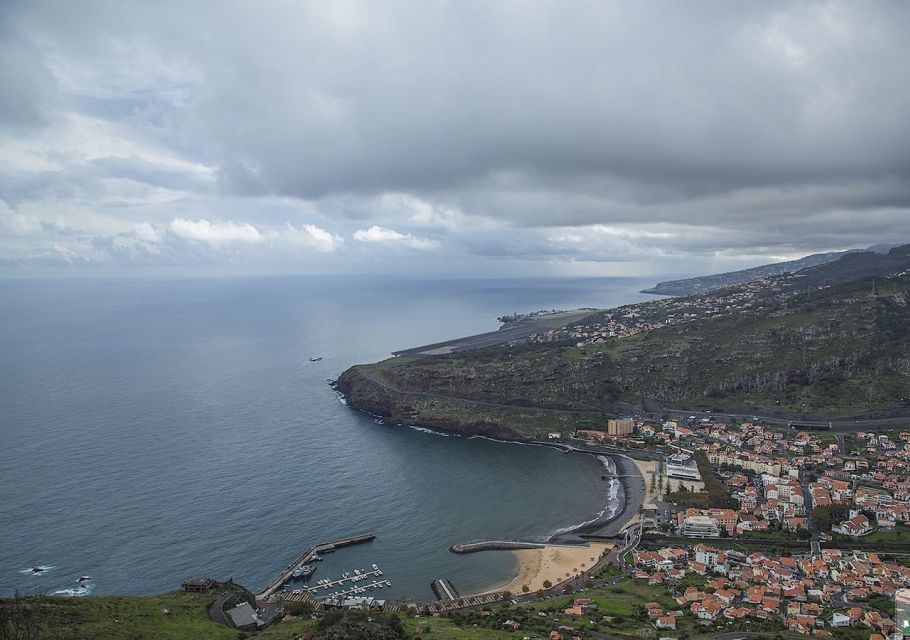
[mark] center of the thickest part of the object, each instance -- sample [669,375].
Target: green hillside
[805,343]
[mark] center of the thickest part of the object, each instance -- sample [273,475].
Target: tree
[525,588]
[547,584]
[355,625]
[299,608]
[826,515]
[506,594]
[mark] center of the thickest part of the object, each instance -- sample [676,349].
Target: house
[666,622]
[839,620]
[708,609]
[736,613]
[512,624]
[858,525]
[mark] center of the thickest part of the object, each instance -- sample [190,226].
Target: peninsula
[826,344]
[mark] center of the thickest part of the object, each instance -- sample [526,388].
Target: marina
[309,555]
[352,579]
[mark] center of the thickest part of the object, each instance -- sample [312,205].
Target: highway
[837,425]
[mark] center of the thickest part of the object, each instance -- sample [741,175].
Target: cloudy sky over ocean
[507,138]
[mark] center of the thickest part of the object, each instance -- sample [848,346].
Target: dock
[326,547]
[494,545]
[352,579]
[444,589]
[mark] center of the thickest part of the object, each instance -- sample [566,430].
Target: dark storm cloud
[684,128]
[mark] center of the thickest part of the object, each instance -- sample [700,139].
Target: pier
[326,547]
[494,545]
[444,589]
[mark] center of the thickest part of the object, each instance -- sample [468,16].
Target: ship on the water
[303,571]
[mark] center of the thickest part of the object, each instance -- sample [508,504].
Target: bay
[157,429]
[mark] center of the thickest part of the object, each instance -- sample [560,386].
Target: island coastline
[569,550]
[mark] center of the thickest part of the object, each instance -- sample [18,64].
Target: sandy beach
[554,563]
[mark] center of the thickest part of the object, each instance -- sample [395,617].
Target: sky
[437,137]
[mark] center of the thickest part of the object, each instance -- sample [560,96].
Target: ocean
[154,430]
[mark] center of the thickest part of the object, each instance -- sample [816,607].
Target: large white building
[682,465]
[700,527]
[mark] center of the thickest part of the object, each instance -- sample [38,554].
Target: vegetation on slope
[824,350]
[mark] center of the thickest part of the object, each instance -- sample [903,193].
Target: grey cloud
[769,126]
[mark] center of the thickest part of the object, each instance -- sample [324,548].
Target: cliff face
[450,415]
[836,352]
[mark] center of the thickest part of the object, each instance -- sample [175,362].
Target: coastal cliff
[831,342]
[367,388]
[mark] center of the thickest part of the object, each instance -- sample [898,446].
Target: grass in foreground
[171,616]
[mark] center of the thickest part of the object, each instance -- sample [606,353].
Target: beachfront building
[622,427]
[682,466]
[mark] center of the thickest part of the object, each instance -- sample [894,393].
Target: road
[837,425]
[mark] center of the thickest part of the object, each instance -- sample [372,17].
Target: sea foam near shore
[610,508]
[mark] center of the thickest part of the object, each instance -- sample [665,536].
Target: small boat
[375,568]
[38,570]
[357,572]
[316,359]
[84,578]
[303,571]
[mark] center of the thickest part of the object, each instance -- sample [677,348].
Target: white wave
[30,571]
[430,431]
[513,442]
[609,509]
[341,398]
[82,590]
[573,527]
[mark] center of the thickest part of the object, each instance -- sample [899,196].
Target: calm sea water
[154,430]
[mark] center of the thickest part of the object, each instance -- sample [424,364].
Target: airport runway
[518,331]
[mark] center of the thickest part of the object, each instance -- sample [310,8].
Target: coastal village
[629,320]
[744,527]
[798,537]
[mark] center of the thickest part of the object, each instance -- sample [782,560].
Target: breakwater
[495,545]
[326,547]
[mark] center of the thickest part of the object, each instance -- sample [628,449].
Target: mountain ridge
[702,284]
